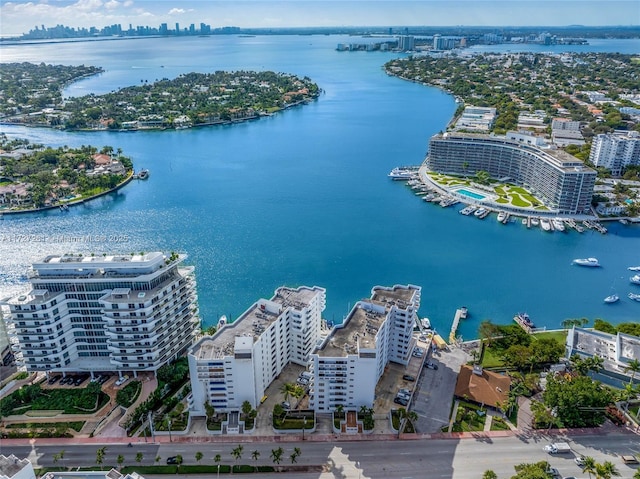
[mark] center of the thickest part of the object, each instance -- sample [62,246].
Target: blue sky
[20,16]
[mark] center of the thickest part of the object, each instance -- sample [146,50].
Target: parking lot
[434,394]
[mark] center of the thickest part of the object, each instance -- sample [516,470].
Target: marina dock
[461,313]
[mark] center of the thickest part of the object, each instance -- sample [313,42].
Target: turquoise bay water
[303,197]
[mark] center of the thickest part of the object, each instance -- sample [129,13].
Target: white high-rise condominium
[347,366]
[616,150]
[122,313]
[241,359]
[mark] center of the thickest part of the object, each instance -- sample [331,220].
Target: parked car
[79,380]
[53,379]
[432,365]
[285,405]
[409,377]
[122,380]
[403,396]
[67,380]
[554,473]
[401,401]
[579,461]
[172,460]
[302,381]
[404,391]
[629,459]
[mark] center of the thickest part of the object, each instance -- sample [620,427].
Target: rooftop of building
[253,322]
[102,267]
[615,349]
[12,465]
[365,319]
[481,386]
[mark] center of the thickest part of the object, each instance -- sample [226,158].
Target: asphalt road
[442,458]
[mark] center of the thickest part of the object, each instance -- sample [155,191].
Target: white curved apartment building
[562,182]
[122,313]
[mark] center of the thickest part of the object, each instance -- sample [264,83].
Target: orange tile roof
[489,388]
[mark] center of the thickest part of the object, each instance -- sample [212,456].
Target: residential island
[191,99]
[34,177]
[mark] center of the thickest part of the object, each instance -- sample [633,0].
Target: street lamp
[170,430]
[304,426]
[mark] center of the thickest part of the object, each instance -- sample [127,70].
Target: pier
[461,313]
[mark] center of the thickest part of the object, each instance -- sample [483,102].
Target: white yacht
[592,262]
[544,224]
[635,297]
[502,216]
[535,221]
[479,212]
[634,268]
[401,174]
[611,298]
[558,224]
[635,279]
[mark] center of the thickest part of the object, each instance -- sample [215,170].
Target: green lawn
[497,424]
[490,359]
[468,419]
[559,336]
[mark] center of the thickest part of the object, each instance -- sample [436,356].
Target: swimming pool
[471,194]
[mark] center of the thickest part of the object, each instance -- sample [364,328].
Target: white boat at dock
[402,173]
[141,175]
[590,262]
[535,221]
[502,216]
[545,224]
[467,210]
[558,224]
[479,212]
[611,298]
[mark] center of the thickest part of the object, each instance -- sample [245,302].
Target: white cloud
[112,5]
[175,11]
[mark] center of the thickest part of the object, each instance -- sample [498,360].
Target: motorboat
[535,221]
[524,320]
[635,279]
[425,323]
[545,224]
[592,262]
[400,174]
[634,268]
[477,213]
[501,216]
[558,224]
[611,298]
[635,297]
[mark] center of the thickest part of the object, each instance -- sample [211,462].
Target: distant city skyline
[19,17]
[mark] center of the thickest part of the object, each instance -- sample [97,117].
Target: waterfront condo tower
[562,182]
[122,313]
[347,366]
[242,358]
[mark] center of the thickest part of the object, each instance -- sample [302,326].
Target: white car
[122,380]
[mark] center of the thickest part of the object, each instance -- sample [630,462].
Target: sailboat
[613,297]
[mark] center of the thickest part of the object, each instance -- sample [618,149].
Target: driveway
[434,392]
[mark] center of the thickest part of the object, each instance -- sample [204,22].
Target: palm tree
[276,455]
[100,455]
[236,452]
[489,474]
[120,460]
[606,470]
[634,367]
[178,462]
[589,465]
[139,457]
[255,455]
[287,389]
[198,457]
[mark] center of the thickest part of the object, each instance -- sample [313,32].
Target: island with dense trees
[34,177]
[191,99]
